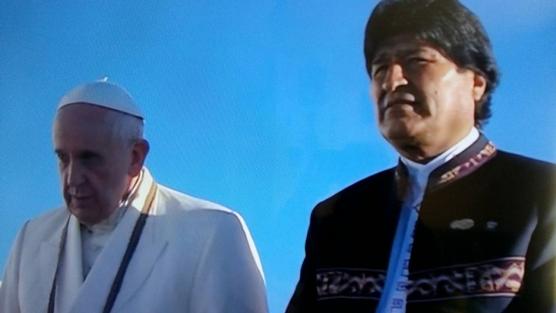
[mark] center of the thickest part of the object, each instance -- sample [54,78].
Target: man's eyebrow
[402,52]
[379,59]
[80,154]
[87,154]
[382,56]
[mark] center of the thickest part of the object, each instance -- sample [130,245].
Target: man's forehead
[81,118]
[401,45]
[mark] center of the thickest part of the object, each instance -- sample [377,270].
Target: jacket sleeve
[538,291]
[305,296]
[9,297]
[229,277]
[539,286]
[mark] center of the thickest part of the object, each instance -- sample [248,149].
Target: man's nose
[74,174]
[393,78]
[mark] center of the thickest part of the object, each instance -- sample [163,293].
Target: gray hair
[125,128]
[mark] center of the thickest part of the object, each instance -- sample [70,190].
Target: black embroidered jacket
[485,240]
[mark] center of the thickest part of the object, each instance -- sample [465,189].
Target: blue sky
[261,106]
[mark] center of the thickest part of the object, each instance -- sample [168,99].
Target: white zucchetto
[104,94]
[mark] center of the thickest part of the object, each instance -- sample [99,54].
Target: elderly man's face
[94,164]
[425,102]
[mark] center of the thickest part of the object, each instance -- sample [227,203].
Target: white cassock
[193,256]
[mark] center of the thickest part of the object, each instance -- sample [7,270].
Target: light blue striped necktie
[394,293]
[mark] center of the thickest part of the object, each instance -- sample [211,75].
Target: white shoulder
[170,199]
[46,224]
[206,217]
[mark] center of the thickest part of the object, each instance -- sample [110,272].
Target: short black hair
[447,25]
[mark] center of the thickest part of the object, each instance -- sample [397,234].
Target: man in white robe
[122,242]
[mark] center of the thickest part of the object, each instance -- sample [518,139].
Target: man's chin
[84,215]
[401,132]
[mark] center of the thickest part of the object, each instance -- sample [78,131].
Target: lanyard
[131,246]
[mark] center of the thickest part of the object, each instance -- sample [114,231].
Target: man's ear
[479,87]
[139,152]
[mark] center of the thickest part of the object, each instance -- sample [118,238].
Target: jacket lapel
[48,261]
[150,248]
[70,275]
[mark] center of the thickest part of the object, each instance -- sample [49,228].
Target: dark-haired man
[457,226]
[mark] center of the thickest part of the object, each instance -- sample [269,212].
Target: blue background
[261,106]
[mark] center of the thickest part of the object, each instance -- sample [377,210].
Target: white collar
[419,173]
[417,169]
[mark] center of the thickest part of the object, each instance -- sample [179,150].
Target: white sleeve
[9,297]
[229,276]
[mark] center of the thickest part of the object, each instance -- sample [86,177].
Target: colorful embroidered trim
[500,277]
